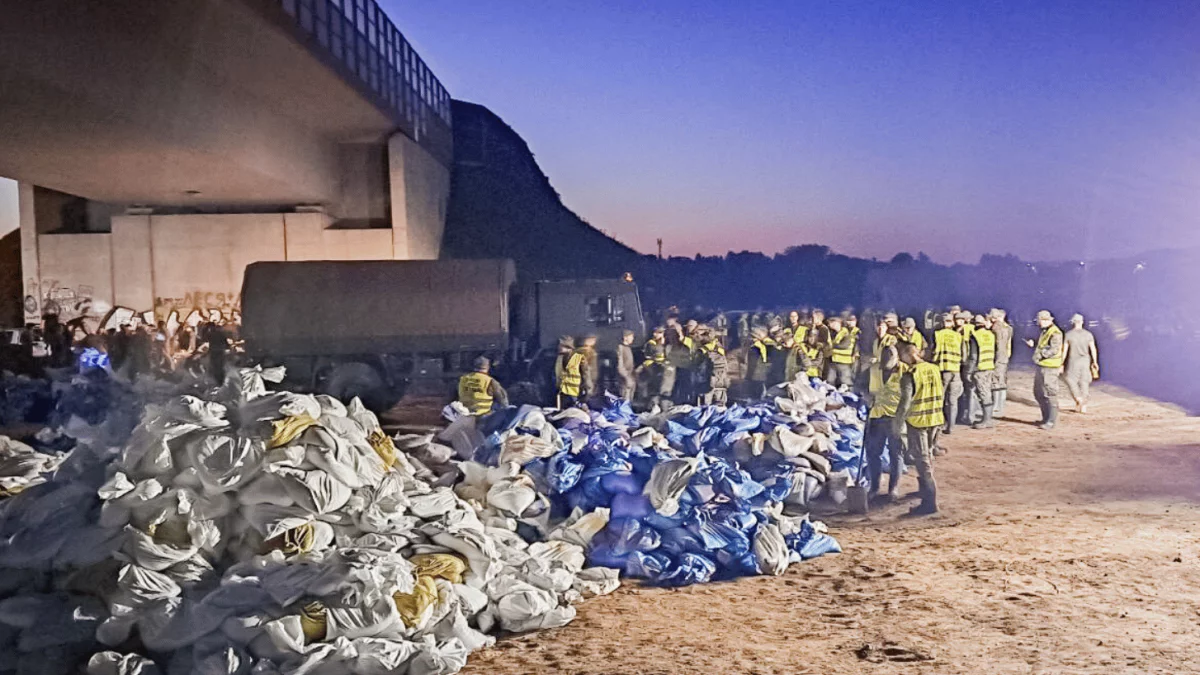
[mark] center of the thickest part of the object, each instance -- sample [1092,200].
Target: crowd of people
[919,385]
[133,349]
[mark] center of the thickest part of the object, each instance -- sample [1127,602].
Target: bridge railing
[360,37]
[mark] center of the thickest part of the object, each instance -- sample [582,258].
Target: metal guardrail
[359,35]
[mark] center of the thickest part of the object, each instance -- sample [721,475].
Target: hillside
[502,205]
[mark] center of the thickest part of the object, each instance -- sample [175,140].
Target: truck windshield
[605,310]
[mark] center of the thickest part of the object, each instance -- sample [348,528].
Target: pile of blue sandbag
[685,496]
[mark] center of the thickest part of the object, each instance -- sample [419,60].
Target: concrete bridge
[163,145]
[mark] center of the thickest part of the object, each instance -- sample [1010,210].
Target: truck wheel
[349,380]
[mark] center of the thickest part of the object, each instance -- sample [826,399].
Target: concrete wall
[178,263]
[76,274]
[420,188]
[309,238]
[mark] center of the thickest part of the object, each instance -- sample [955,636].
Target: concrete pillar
[420,195]
[30,269]
[133,263]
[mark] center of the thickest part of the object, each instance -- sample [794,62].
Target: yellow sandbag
[298,540]
[412,605]
[440,566]
[383,446]
[13,491]
[313,622]
[286,430]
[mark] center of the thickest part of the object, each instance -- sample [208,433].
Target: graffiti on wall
[51,297]
[212,305]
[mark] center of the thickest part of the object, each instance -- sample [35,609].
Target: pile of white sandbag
[248,531]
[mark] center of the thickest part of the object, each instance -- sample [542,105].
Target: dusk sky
[1048,129]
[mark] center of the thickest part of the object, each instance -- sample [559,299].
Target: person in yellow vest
[758,362]
[1048,355]
[856,336]
[922,397]
[980,366]
[715,367]
[652,372]
[840,371]
[947,355]
[479,391]
[884,341]
[964,323]
[909,333]
[794,326]
[569,373]
[883,431]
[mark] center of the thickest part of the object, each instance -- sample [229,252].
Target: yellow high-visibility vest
[655,352]
[887,399]
[1043,342]
[947,350]
[928,397]
[881,344]
[475,392]
[986,340]
[569,374]
[915,339]
[842,355]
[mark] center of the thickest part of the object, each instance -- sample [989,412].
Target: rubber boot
[951,413]
[1051,417]
[997,406]
[928,505]
[920,490]
[1003,402]
[986,422]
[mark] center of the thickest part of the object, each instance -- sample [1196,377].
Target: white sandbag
[571,556]
[377,619]
[377,656]
[432,505]
[113,663]
[462,436]
[788,443]
[579,528]
[594,581]
[315,491]
[512,497]
[520,606]
[142,549]
[330,406]
[434,659]
[555,618]
[668,480]
[520,449]
[771,550]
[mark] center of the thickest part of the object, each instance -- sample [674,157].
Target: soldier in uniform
[1048,356]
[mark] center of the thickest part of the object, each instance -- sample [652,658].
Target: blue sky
[1049,129]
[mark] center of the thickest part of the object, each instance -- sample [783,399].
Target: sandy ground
[1074,551]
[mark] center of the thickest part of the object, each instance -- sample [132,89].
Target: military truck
[379,329]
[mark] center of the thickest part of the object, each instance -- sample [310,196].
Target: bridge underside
[175,103]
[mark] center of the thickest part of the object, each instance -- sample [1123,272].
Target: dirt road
[1075,551]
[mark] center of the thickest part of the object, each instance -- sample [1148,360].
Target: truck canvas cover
[376,307]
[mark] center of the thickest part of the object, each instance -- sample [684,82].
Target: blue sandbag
[626,535]
[732,566]
[646,565]
[678,540]
[631,506]
[692,568]
[818,545]
[623,482]
[588,494]
[665,523]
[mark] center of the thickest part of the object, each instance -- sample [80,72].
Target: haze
[1045,129]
